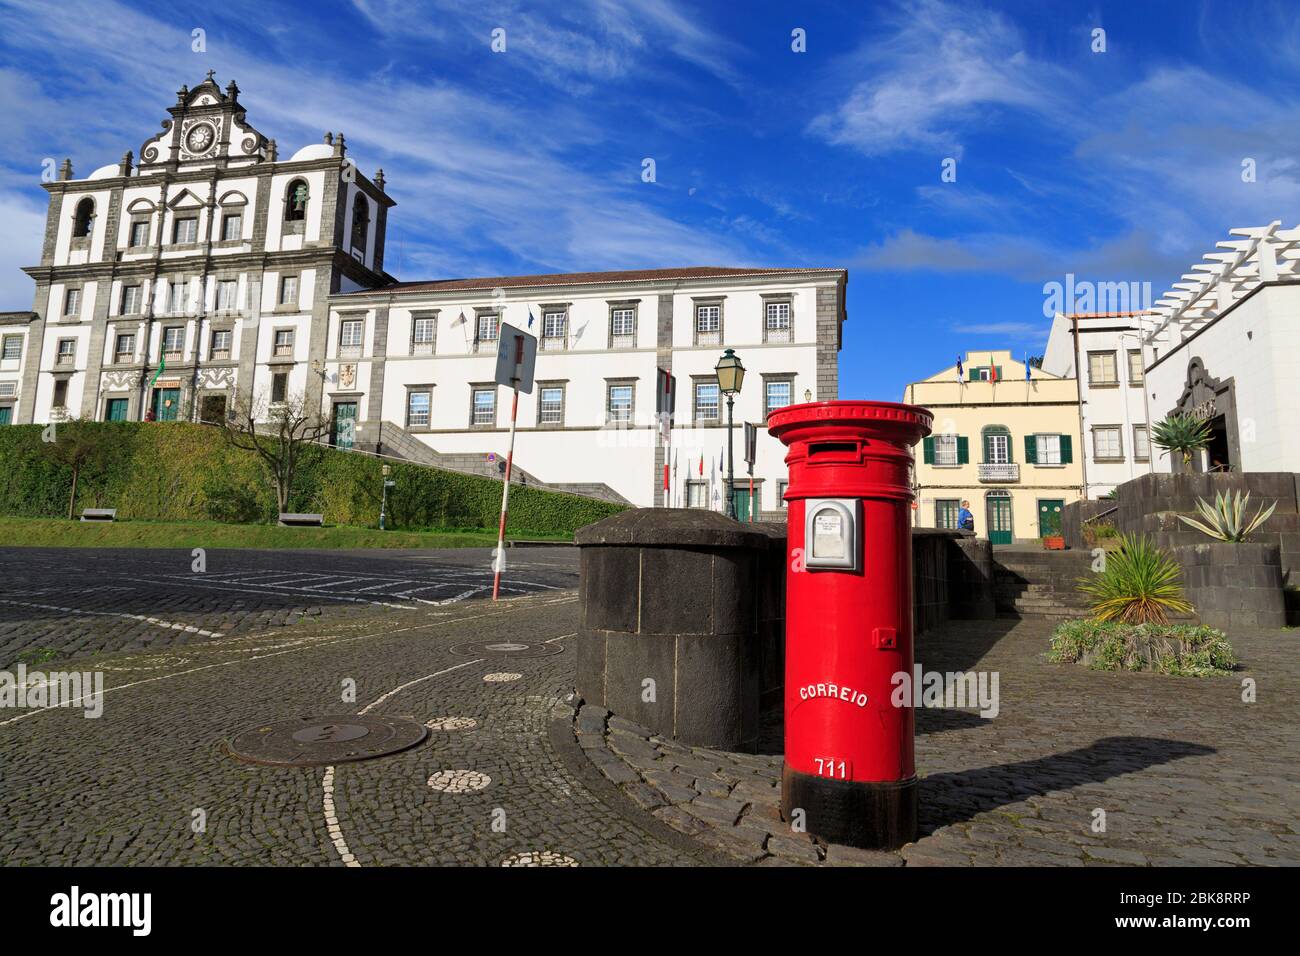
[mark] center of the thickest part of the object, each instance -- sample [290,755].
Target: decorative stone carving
[347,376]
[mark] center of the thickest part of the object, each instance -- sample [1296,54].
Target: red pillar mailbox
[848,751]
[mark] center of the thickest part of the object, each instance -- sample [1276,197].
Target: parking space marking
[168,625]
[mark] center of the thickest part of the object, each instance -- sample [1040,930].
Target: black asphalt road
[66,603]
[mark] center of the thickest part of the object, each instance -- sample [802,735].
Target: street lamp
[383,503]
[731,374]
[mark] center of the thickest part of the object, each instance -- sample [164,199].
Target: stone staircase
[1040,584]
[386,438]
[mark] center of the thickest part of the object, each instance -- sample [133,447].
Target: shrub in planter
[1183,650]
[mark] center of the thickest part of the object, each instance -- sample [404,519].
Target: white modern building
[1225,347]
[216,271]
[1105,351]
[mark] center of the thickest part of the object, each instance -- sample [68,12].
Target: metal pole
[505,485]
[383,505]
[731,463]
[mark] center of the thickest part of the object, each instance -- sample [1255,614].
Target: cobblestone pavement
[65,603]
[1185,771]
[499,781]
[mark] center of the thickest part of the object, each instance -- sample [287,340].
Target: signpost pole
[505,485]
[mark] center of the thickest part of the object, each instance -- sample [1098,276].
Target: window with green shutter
[1067,450]
[927,449]
[1031,449]
[963,450]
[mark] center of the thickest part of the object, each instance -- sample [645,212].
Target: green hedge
[181,472]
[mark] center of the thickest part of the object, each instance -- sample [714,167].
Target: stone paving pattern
[1186,772]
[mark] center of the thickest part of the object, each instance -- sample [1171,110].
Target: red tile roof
[582,278]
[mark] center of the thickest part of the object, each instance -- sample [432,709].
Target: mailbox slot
[832,533]
[835,453]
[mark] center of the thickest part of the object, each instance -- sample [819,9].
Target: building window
[1107,443]
[554,329]
[60,394]
[226,292]
[483,410]
[418,404]
[706,402]
[776,394]
[776,322]
[124,350]
[221,341]
[173,341]
[1047,450]
[1141,447]
[139,233]
[185,231]
[295,201]
[945,451]
[350,336]
[550,405]
[781,487]
[697,494]
[71,301]
[283,343]
[131,299]
[945,513]
[997,445]
[360,223]
[1135,371]
[67,354]
[288,290]
[279,386]
[423,330]
[232,227]
[13,348]
[622,328]
[618,405]
[176,298]
[485,333]
[1101,369]
[986,373]
[83,219]
[708,324]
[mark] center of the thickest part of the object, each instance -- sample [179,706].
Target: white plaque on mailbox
[831,533]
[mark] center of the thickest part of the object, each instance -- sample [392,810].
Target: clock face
[200,138]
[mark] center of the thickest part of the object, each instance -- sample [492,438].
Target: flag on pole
[961,372]
[162,364]
[530,317]
[701,465]
[461,320]
[1027,366]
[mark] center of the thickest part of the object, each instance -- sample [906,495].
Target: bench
[301,521]
[99,514]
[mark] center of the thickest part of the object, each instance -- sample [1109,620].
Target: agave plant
[1181,433]
[1226,518]
[1139,585]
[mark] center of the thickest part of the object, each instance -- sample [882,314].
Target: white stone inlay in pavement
[499,678]
[539,858]
[452,723]
[459,781]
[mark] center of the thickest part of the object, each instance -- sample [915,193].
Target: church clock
[200,137]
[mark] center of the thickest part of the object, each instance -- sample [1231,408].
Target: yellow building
[1007,444]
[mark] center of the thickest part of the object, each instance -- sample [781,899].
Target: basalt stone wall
[770,611]
[1234,584]
[930,599]
[1076,513]
[669,634]
[970,578]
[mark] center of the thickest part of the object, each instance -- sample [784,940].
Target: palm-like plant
[1139,584]
[1181,433]
[1226,518]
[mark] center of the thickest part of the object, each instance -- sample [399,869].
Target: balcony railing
[1008,471]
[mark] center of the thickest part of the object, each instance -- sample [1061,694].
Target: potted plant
[1183,434]
[1053,542]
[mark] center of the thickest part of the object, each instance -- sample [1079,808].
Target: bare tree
[279,433]
[79,445]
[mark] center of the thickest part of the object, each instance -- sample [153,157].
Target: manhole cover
[506,649]
[317,741]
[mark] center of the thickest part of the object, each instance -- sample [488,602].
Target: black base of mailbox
[872,816]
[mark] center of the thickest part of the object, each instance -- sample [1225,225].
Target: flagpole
[510,460]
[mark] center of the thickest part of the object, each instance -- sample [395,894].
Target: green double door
[343,429]
[743,504]
[6,414]
[1049,516]
[999,518]
[166,404]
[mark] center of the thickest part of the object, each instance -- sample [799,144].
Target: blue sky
[1122,165]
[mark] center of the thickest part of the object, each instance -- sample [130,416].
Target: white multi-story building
[214,272]
[1106,353]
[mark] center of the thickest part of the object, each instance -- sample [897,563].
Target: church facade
[212,272]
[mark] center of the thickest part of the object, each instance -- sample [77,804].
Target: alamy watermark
[1085,296]
[39,690]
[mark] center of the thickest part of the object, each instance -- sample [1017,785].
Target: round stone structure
[668,637]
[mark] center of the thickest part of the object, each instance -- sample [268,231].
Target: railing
[1006,471]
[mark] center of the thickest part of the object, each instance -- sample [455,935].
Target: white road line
[419,680]
[332,820]
[281,593]
[168,625]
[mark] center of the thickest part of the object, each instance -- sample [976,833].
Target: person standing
[965,520]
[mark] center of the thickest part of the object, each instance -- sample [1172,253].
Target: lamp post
[731,374]
[383,503]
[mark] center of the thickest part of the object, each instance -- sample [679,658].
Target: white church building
[215,271]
